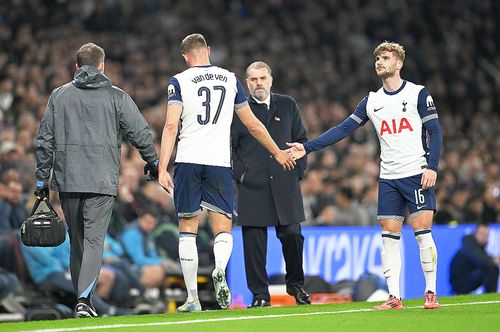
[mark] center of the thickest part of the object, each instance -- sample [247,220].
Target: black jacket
[470,257]
[267,195]
[80,134]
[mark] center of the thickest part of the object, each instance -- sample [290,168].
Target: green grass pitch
[458,313]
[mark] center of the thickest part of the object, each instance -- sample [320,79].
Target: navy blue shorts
[395,196]
[201,186]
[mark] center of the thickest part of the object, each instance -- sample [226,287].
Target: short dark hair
[89,54]
[193,41]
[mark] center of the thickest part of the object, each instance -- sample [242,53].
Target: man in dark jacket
[79,139]
[267,196]
[472,267]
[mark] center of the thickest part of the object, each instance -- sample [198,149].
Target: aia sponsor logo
[395,126]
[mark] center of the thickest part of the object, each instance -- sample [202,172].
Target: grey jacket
[81,134]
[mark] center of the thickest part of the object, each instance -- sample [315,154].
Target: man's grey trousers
[87,216]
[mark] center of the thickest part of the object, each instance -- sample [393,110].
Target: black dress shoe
[258,303]
[300,295]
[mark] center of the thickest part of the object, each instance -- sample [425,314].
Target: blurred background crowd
[321,54]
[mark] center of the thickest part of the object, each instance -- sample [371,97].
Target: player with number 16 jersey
[406,121]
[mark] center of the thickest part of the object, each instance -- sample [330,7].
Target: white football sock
[223,246]
[428,257]
[391,261]
[188,255]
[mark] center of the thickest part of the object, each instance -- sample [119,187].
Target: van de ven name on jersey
[208,77]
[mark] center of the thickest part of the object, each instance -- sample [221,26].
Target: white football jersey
[398,118]
[209,95]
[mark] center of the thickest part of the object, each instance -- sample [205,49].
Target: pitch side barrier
[344,253]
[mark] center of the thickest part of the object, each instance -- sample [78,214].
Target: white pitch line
[226,319]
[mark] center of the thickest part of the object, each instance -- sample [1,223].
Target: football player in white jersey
[405,119]
[202,99]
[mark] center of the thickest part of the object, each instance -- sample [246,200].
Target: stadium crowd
[320,52]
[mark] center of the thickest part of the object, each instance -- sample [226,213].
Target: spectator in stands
[127,202]
[491,200]
[325,217]
[125,278]
[138,242]
[12,210]
[347,212]
[472,267]
[114,258]
[369,203]
[474,210]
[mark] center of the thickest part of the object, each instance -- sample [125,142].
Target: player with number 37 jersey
[214,93]
[202,100]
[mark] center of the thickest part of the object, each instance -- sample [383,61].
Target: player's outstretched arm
[167,145]
[257,130]
[332,135]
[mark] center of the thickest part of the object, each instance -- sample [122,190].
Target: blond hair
[193,41]
[397,49]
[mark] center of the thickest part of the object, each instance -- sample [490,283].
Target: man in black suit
[268,196]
